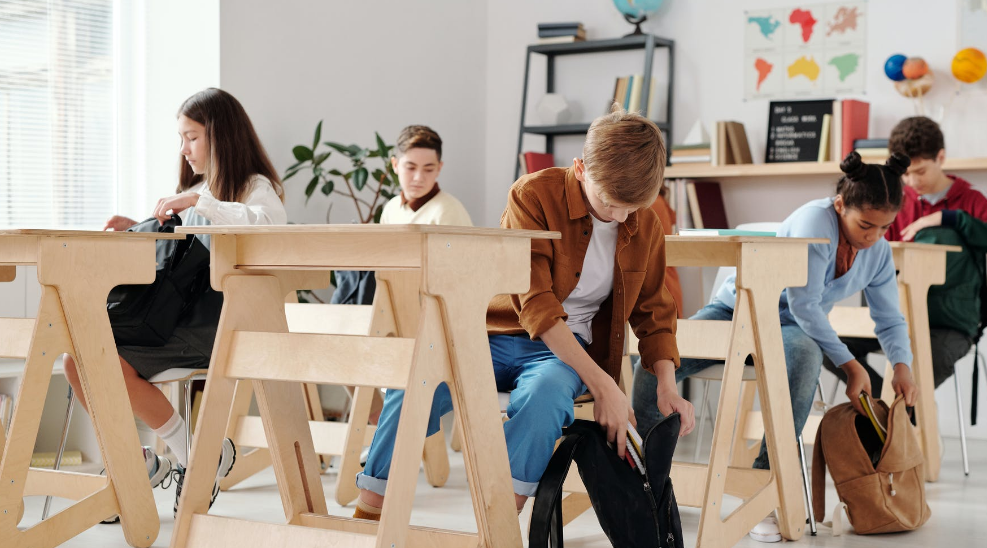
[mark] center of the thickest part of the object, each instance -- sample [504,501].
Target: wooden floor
[959,509]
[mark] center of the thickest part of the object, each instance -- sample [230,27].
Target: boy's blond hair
[625,156]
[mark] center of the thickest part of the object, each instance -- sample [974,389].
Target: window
[59,145]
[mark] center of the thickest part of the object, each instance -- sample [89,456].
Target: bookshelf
[646,42]
[791,169]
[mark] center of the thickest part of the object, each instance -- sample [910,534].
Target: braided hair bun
[898,164]
[872,186]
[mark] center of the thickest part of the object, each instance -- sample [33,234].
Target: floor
[959,507]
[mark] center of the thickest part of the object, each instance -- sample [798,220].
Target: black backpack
[634,511]
[146,314]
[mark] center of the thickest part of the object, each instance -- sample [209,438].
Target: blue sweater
[873,272]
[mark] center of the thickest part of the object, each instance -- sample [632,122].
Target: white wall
[361,67]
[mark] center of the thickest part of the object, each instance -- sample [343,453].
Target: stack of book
[729,145]
[627,92]
[560,33]
[532,162]
[872,150]
[691,154]
[844,128]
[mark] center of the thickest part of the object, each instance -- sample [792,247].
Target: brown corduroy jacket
[553,199]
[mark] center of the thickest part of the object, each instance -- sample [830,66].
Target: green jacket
[956,304]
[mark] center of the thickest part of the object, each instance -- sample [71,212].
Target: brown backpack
[886,498]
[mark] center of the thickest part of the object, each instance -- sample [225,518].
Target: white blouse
[261,206]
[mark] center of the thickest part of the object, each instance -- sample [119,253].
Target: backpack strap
[818,477]
[546,513]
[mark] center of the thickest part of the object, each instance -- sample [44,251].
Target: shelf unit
[647,42]
[791,169]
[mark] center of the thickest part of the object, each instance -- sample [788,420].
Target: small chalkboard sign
[795,129]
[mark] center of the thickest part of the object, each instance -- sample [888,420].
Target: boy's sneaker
[767,530]
[158,468]
[226,460]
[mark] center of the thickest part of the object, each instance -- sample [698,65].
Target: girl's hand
[904,385]
[176,204]
[119,223]
[857,382]
[670,402]
[909,232]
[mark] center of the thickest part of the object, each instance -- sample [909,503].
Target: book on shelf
[691,160]
[561,40]
[825,145]
[554,33]
[856,117]
[730,145]
[634,99]
[686,152]
[628,92]
[873,152]
[563,25]
[724,232]
[870,143]
[706,204]
[532,162]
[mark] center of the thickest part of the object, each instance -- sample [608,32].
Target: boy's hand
[670,402]
[857,382]
[904,385]
[176,204]
[909,232]
[119,223]
[612,411]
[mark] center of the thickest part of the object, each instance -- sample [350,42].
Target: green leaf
[302,153]
[387,194]
[318,135]
[378,213]
[320,158]
[360,178]
[342,149]
[380,177]
[360,153]
[311,188]
[336,172]
[291,172]
[382,147]
[327,188]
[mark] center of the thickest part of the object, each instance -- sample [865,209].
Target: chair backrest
[328,319]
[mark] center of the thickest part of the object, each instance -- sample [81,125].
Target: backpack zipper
[891,483]
[654,507]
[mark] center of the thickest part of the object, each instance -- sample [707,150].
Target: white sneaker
[767,530]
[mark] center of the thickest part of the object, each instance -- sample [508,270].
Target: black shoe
[226,460]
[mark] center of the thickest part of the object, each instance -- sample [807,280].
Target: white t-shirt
[595,280]
[442,209]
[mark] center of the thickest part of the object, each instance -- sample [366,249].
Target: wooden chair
[340,439]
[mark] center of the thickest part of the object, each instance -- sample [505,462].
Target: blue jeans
[803,359]
[542,391]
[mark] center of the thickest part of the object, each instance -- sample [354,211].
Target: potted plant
[368,184]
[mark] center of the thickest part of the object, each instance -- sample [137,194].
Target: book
[627,96]
[836,132]
[707,159]
[856,117]
[825,144]
[682,153]
[691,147]
[722,155]
[870,143]
[537,161]
[634,101]
[552,33]
[564,25]
[561,40]
[740,149]
[635,448]
[522,163]
[725,232]
[697,212]
[711,207]
[620,91]
[868,405]
[873,152]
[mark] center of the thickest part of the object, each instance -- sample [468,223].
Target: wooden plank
[791,169]
[67,485]
[207,531]
[417,536]
[75,234]
[303,357]
[18,249]
[15,337]
[378,230]
[852,321]
[707,339]
[328,437]
[336,250]
[328,319]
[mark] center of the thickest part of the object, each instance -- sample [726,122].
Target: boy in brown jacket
[564,336]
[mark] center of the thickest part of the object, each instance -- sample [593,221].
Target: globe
[636,11]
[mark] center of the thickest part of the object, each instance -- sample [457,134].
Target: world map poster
[815,50]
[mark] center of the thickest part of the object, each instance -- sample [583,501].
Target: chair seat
[715,373]
[177,374]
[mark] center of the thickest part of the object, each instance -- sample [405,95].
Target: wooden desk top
[745,239]
[926,247]
[61,233]
[368,229]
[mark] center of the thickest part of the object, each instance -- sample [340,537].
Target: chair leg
[188,418]
[702,421]
[61,447]
[961,420]
[808,487]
